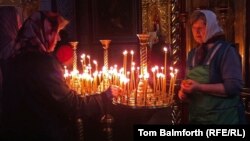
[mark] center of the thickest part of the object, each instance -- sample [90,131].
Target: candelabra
[105,45]
[105,83]
[74,45]
[143,88]
[140,88]
[107,120]
[74,82]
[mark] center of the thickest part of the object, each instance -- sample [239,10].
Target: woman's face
[51,36]
[199,31]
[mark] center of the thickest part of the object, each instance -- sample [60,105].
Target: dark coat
[37,103]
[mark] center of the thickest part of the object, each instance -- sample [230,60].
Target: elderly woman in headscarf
[214,77]
[37,102]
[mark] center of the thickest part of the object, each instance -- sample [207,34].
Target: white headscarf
[212,25]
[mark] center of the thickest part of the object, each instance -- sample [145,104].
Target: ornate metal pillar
[170,30]
[105,45]
[74,45]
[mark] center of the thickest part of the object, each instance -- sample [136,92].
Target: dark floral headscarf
[32,35]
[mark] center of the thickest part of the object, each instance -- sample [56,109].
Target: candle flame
[125,52]
[95,62]
[153,69]
[83,56]
[165,49]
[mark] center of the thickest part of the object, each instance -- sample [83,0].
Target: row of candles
[91,82]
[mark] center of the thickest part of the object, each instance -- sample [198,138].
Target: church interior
[122,32]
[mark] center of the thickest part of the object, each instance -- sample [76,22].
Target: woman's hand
[182,96]
[189,86]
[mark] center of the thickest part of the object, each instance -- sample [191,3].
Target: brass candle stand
[74,46]
[141,89]
[74,82]
[105,82]
[105,44]
[144,89]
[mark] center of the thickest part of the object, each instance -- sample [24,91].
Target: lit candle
[171,84]
[153,70]
[132,56]
[90,69]
[165,68]
[88,59]
[174,80]
[158,82]
[83,62]
[146,76]
[125,61]
[165,60]
[132,79]
[163,84]
[82,65]
[96,65]
[128,84]
[171,80]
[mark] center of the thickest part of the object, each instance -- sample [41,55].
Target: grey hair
[196,15]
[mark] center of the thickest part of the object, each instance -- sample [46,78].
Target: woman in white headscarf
[213,78]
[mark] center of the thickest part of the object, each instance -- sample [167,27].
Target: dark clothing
[8,31]
[215,68]
[38,104]
[221,70]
